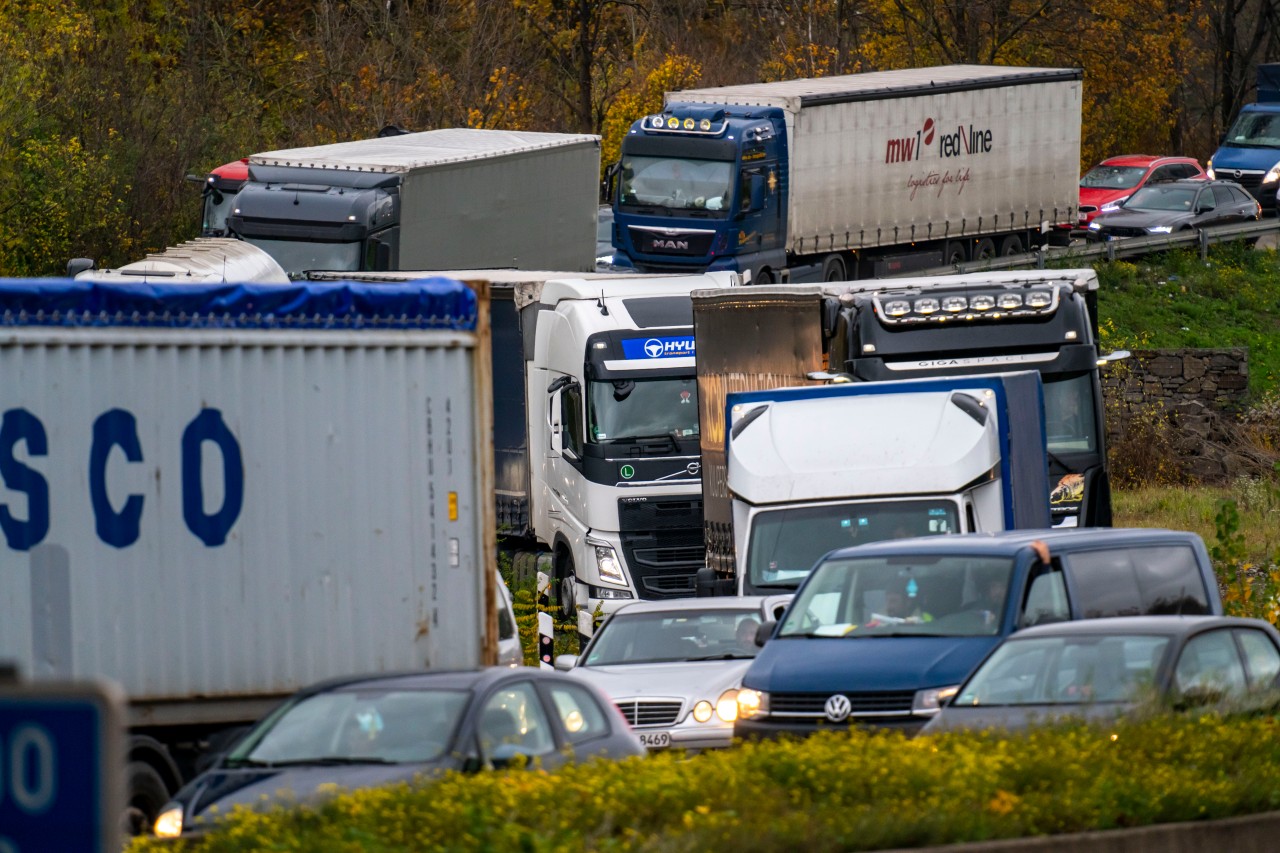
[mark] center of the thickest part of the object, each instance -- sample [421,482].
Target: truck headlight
[1113,205]
[1159,229]
[926,703]
[752,704]
[1272,175]
[609,566]
[169,823]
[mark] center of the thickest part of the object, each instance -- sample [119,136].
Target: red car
[1109,183]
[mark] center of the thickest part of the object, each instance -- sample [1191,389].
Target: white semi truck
[814,469]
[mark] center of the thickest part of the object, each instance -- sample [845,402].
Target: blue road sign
[61,769]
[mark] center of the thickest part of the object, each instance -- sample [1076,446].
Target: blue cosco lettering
[212,529]
[21,425]
[116,428]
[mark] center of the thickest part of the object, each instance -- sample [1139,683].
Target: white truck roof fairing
[205,260]
[1081,280]
[411,151]
[830,447]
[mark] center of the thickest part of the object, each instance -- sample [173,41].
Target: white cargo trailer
[214,494]
[453,198]
[851,176]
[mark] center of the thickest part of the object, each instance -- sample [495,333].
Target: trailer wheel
[566,600]
[954,254]
[1011,245]
[833,268]
[985,250]
[147,795]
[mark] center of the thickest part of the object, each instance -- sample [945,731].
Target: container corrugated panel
[411,151]
[534,210]
[896,157]
[235,511]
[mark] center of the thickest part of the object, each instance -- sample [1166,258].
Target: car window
[512,723]
[1164,173]
[1209,663]
[1222,195]
[1241,195]
[1144,580]
[1260,656]
[1184,170]
[581,716]
[1204,201]
[1046,599]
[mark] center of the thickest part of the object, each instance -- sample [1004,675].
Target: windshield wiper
[331,761]
[725,656]
[246,762]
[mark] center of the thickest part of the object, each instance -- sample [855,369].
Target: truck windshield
[1070,425]
[939,595]
[785,543]
[677,183]
[1260,130]
[628,409]
[298,256]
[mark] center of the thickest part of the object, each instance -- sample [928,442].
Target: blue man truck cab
[854,176]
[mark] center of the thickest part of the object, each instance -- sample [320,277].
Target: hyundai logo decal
[653,348]
[837,708]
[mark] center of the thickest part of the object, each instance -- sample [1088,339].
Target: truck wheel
[147,795]
[764,276]
[833,268]
[565,587]
[985,250]
[954,254]
[1011,245]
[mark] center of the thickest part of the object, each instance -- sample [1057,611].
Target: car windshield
[1255,129]
[1066,671]
[935,595]
[1179,199]
[677,183]
[785,543]
[380,727]
[1113,177]
[633,638]
[624,409]
[1070,425]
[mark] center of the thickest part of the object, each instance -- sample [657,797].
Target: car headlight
[1095,225]
[929,702]
[752,704]
[1272,175]
[703,711]
[727,706]
[608,564]
[1113,205]
[169,823]
[1159,229]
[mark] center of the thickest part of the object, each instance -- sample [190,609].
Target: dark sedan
[368,731]
[1177,206]
[1098,668]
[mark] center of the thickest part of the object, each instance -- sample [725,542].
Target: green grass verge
[835,791]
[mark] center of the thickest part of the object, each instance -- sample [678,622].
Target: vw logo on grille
[837,708]
[693,468]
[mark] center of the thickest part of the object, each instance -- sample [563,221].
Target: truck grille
[896,703]
[662,544]
[696,244]
[644,713]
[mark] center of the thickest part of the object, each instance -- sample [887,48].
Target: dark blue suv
[883,633]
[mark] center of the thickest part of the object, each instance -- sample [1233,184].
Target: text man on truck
[856,176]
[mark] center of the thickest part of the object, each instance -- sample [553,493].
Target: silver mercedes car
[674,667]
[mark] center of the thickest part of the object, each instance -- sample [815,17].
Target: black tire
[984,250]
[1011,245]
[566,604]
[833,268]
[763,276]
[147,795]
[954,254]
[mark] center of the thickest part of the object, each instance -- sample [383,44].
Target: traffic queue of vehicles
[615,407]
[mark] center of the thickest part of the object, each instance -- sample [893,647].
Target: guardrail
[1124,247]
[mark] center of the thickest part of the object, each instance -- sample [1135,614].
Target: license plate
[654,740]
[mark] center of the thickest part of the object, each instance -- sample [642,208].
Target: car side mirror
[764,631]
[564,663]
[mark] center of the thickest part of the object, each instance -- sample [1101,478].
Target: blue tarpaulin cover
[431,303]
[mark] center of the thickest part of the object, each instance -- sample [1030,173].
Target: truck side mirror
[610,180]
[75,266]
